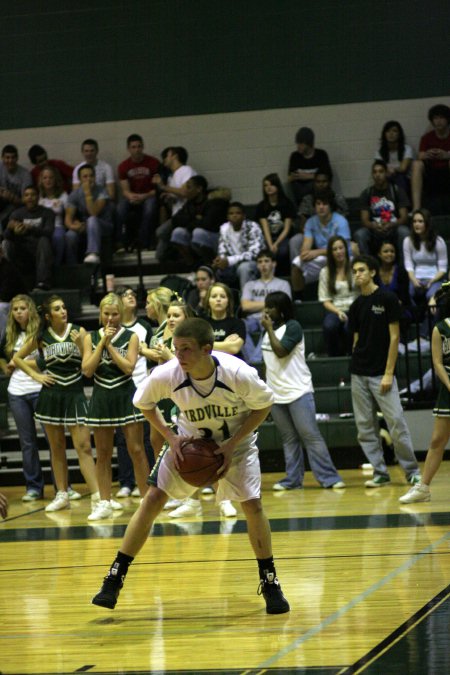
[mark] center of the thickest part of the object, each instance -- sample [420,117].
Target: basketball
[200,464]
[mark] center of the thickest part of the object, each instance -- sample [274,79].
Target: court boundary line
[312,632]
[398,634]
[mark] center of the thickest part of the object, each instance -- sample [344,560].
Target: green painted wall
[74,62]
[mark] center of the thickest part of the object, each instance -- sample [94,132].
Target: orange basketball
[200,464]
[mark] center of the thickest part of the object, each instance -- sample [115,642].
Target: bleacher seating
[81,285]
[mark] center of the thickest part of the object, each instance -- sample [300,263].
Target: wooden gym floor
[368,581]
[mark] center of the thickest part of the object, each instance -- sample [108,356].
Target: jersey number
[207,433]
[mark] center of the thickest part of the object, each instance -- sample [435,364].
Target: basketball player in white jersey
[220,397]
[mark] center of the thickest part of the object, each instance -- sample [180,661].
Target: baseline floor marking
[399,634]
[312,632]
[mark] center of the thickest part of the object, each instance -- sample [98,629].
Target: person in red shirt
[430,182]
[39,158]
[138,207]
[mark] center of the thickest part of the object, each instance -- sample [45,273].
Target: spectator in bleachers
[276,214]
[305,162]
[337,293]
[294,408]
[53,196]
[322,181]
[104,174]
[195,227]
[430,180]
[196,297]
[397,154]
[240,241]
[318,229]
[28,238]
[229,331]
[87,212]
[425,256]
[39,158]
[173,193]
[384,213]
[252,302]
[13,181]
[137,210]
[391,275]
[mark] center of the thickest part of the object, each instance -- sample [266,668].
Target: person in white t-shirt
[104,174]
[23,392]
[173,193]
[294,408]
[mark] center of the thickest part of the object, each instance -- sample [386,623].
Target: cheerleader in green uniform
[61,401]
[440,348]
[110,355]
[158,301]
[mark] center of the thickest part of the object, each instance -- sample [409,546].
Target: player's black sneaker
[109,592]
[271,591]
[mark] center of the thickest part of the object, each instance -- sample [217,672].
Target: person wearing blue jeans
[88,211]
[294,410]
[136,221]
[22,408]
[23,391]
[374,322]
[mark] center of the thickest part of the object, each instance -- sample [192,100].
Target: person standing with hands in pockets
[374,323]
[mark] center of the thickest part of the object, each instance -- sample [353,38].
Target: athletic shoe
[415,479]
[93,258]
[418,493]
[338,486]
[123,492]
[73,494]
[279,487]
[109,592]
[102,509]
[227,509]
[116,506]
[271,591]
[61,501]
[136,492]
[189,507]
[172,504]
[31,496]
[378,481]
[208,490]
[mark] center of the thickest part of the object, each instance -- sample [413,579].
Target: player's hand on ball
[176,445]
